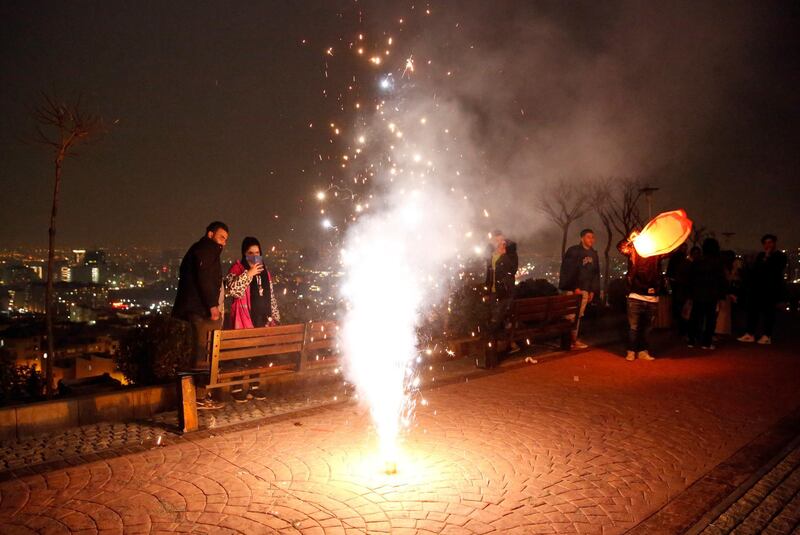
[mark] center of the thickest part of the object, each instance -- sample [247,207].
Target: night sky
[209,106]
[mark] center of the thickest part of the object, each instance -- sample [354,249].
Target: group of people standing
[704,283]
[202,290]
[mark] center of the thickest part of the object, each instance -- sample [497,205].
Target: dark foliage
[19,384]
[156,351]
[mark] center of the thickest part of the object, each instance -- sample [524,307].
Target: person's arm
[273,302]
[236,285]
[205,275]
[569,271]
[596,275]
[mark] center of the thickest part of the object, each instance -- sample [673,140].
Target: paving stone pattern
[771,506]
[84,441]
[586,444]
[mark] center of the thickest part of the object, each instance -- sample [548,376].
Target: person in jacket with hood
[580,274]
[200,296]
[644,283]
[254,305]
[501,284]
[707,287]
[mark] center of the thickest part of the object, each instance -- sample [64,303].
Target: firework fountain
[405,238]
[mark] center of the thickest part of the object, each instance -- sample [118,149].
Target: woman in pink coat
[254,305]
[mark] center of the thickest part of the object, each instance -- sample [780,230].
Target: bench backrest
[291,345]
[545,309]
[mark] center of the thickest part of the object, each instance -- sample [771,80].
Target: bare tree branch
[563,202]
[61,127]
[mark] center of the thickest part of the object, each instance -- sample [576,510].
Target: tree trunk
[607,265]
[48,294]
[565,234]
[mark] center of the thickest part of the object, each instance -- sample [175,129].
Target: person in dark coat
[707,287]
[501,284]
[200,295]
[764,289]
[677,274]
[644,284]
[580,274]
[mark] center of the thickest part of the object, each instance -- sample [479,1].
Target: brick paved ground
[587,444]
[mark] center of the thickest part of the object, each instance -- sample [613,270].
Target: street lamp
[648,194]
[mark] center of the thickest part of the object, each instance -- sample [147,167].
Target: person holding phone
[254,305]
[250,284]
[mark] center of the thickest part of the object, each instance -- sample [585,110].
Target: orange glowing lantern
[663,234]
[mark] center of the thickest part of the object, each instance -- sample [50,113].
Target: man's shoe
[240,396]
[208,404]
[747,338]
[258,394]
[644,355]
[631,356]
[712,346]
[765,340]
[577,344]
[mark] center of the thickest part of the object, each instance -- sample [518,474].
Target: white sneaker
[631,356]
[747,338]
[645,355]
[577,344]
[765,340]
[712,346]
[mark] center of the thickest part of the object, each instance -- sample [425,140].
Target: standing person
[725,313]
[254,304]
[677,275]
[501,283]
[644,282]
[765,287]
[200,295]
[707,286]
[580,274]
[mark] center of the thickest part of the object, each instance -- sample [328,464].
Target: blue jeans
[641,316]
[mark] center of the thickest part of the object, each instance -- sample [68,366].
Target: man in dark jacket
[644,282]
[764,290]
[707,287]
[200,294]
[580,274]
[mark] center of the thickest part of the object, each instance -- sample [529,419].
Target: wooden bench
[247,356]
[536,317]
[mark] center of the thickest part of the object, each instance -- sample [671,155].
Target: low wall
[128,404]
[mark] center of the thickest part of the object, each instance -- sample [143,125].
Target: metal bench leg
[187,411]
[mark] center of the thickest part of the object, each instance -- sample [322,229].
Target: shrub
[19,384]
[156,351]
[535,288]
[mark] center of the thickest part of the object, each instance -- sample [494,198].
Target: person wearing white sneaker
[764,290]
[644,280]
[580,274]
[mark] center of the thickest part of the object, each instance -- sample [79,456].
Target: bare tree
[623,204]
[60,126]
[564,202]
[602,191]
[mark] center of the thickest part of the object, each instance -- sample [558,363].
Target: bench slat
[255,371]
[260,351]
[262,331]
[258,341]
